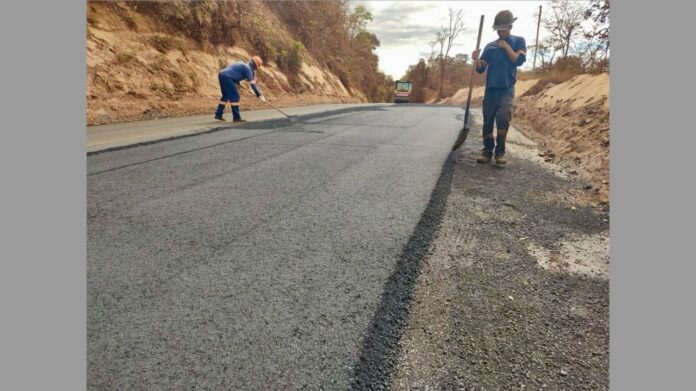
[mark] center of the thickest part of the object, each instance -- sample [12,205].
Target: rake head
[462,137]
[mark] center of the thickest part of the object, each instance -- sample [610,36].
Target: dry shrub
[179,82]
[162,43]
[125,57]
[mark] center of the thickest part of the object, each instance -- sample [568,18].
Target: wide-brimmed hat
[503,20]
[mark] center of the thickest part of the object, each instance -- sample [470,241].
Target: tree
[419,75]
[358,19]
[444,40]
[564,23]
[598,12]
[548,48]
[596,53]
[462,57]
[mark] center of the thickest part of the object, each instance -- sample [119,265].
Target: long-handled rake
[291,118]
[465,129]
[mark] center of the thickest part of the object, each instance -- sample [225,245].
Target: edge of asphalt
[379,349]
[264,116]
[274,122]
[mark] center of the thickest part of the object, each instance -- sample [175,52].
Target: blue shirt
[239,71]
[502,73]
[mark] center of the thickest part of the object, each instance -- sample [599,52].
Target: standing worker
[229,81]
[501,58]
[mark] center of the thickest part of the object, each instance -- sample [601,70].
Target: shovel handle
[473,72]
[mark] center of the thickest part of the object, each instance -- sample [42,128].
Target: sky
[405,28]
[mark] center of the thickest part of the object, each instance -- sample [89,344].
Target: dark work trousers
[228,88]
[497,107]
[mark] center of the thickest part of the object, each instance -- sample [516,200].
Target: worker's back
[238,71]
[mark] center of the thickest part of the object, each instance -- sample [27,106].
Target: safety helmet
[257,61]
[503,20]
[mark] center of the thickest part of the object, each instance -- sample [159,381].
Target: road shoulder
[513,293]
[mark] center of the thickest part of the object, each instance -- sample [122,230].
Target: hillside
[150,60]
[569,120]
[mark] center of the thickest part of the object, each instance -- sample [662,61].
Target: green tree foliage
[358,19]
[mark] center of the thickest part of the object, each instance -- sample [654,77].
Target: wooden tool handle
[473,71]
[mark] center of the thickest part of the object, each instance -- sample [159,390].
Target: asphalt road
[265,256]
[106,137]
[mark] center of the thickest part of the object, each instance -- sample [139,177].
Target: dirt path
[513,294]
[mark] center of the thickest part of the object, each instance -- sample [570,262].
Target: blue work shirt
[239,71]
[502,73]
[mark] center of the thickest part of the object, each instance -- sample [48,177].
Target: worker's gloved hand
[262,98]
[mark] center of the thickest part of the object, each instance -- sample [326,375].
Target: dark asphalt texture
[263,256]
[485,315]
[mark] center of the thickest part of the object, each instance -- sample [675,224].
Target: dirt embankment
[137,69]
[570,122]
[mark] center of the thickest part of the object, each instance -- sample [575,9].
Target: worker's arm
[255,87]
[257,91]
[518,56]
[480,64]
[249,74]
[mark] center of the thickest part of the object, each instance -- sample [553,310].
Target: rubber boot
[219,111]
[236,115]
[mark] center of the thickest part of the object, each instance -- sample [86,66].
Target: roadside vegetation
[141,53]
[571,48]
[304,30]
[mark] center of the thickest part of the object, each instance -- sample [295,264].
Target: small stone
[564,372]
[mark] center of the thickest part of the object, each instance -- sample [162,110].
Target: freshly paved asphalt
[263,256]
[104,137]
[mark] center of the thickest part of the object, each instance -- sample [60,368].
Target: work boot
[500,159]
[236,114]
[485,157]
[219,111]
